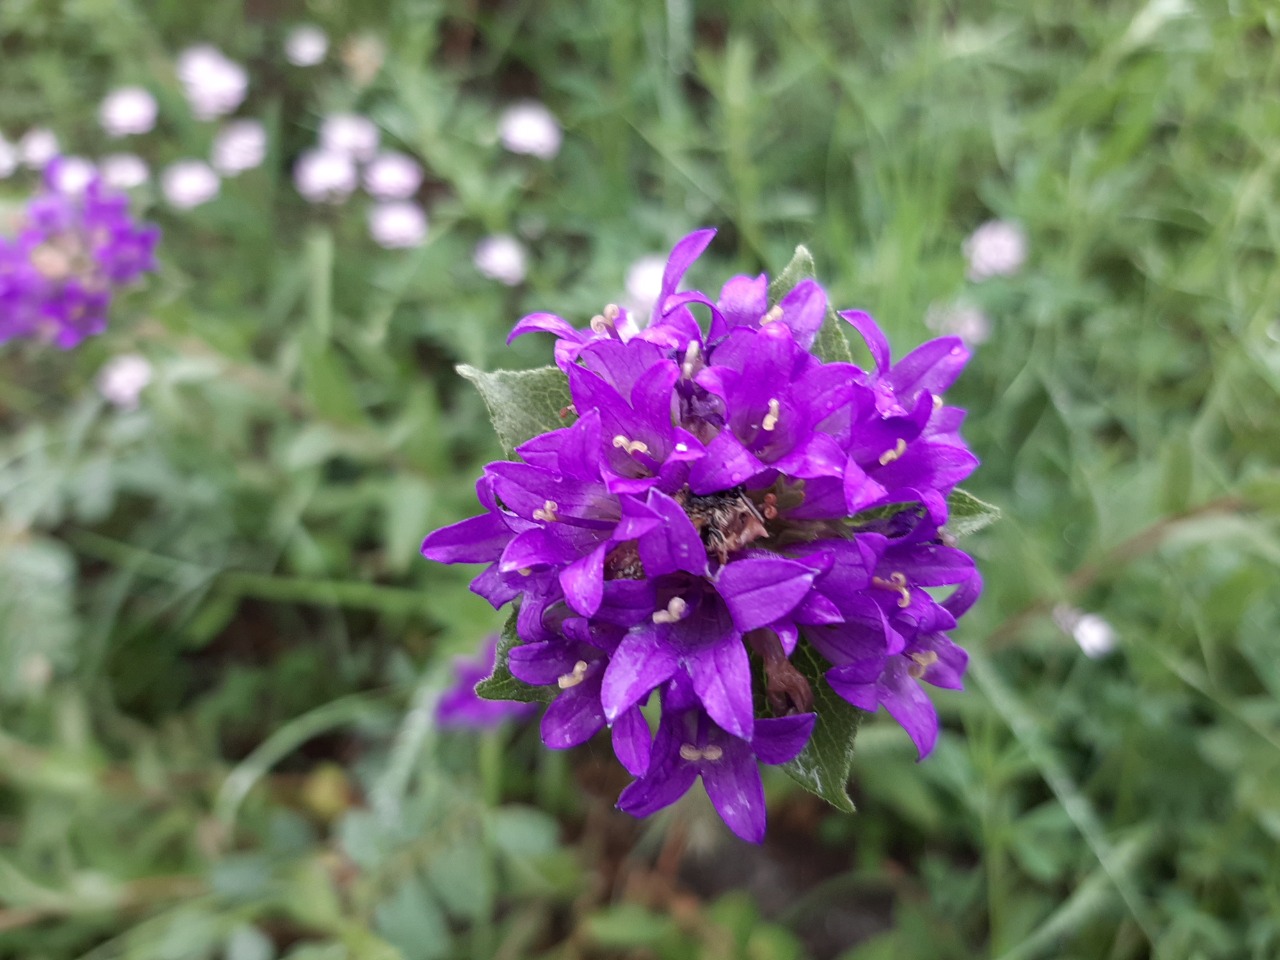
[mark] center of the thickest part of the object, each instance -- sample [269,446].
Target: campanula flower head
[719,499]
[73,250]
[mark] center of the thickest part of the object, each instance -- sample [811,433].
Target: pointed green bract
[830,345]
[501,684]
[823,766]
[522,403]
[967,514]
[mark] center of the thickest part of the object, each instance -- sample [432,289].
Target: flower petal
[641,662]
[780,739]
[733,783]
[760,590]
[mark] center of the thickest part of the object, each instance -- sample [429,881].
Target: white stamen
[630,446]
[889,456]
[712,752]
[525,571]
[682,447]
[547,512]
[898,583]
[689,752]
[675,611]
[771,418]
[774,314]
[567,680]
[690,358]
[612,312]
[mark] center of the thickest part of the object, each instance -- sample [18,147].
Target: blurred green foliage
[219,651]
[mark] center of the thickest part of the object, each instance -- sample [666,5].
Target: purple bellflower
[722,497]
[73,250]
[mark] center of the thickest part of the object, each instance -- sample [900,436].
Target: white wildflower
[398,224]
[239,146]
[503,258]
[189,183]
[122,380]
[129,110]
[306,45]
[998,248]
[529,127]
[325,176]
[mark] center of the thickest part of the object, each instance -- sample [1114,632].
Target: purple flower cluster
[74,248]
[722,499]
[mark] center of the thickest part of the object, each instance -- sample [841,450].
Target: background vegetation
[219,650]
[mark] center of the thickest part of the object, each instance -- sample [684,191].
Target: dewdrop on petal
[350,133]
[37,147]
[325,176]
[123,171]
[187,184]
[122,380]
[239,146]
[397,225]
[530,128]
[306,45]
[503,258]
[998,248]
[392,176]
[129,110]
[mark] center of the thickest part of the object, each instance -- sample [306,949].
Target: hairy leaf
[831,345]
[501,684]
[823,766]
[967,514]
[522,403]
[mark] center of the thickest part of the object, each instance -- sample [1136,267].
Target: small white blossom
[529,127]
[306,45]
[998,248]
[325,176]
[189,183]
[503,258]
[70,175]
[8,158]
[37,147]
[123,171]
[350,133]
[129,110]
[239,146]
[214,84]
[122,380]
[1095,636]
[961,320]
[398,224]
[644,284]
[392,176]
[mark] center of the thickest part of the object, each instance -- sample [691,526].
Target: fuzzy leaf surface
[823,766]
[502,684]
[522,403]
[831,345]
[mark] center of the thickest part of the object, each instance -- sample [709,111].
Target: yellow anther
[600,325]
[689,752]
[572,679]
[774,314]
[923,661]
[525,571]
[896,582]
[712,752]
[547,512]
[675,611]
[889,456]
[630,446]
[771,418]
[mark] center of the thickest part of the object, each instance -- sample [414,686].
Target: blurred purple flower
[74,249]
[461,707]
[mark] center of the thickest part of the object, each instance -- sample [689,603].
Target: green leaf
[501,685]
[522,403]
[38,628]
[823,766]
[831,345]
[967,514]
